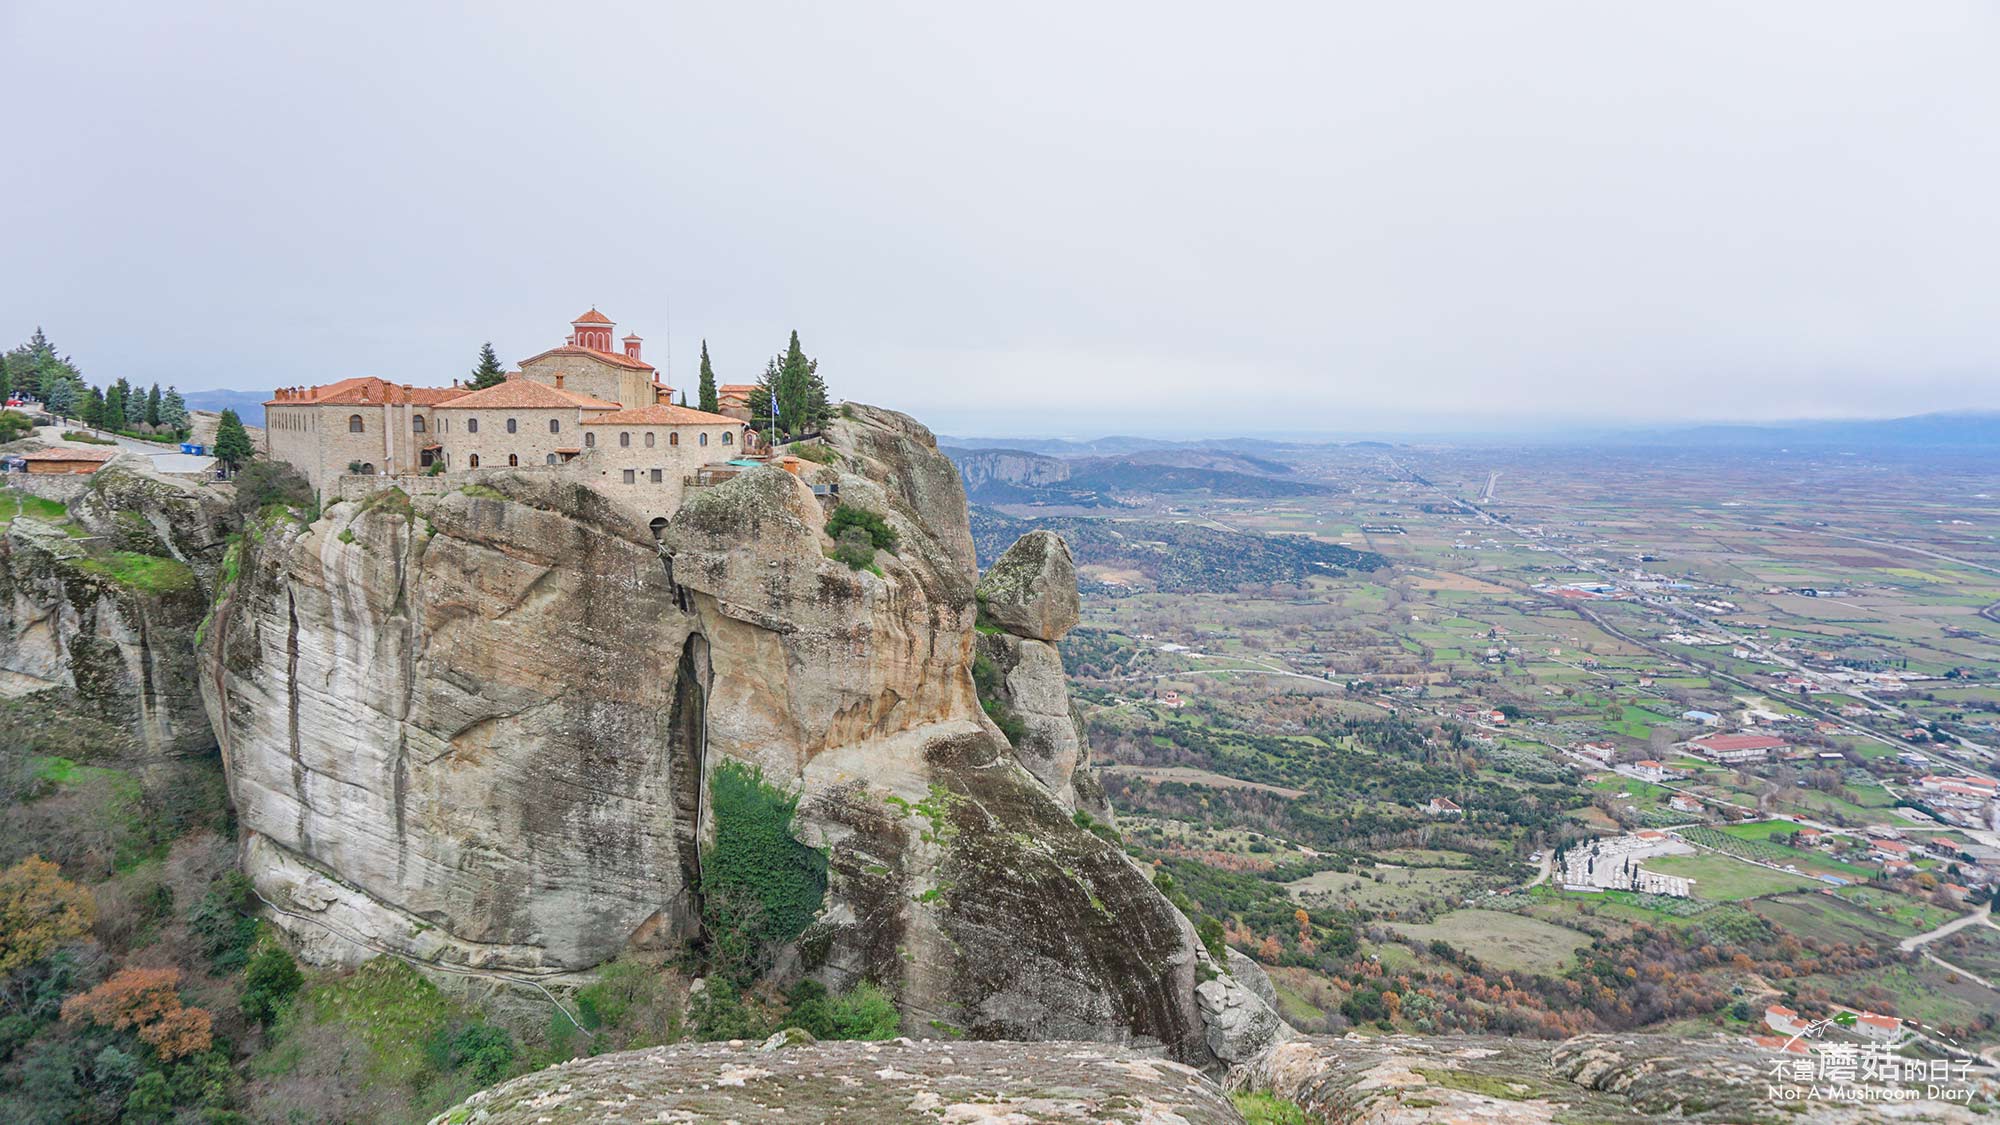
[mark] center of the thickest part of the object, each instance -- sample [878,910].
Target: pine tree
[93,409]
[153,406]
[174,411]
[114,407]
[707,389]
[489,373]
[232,442]
[61,398]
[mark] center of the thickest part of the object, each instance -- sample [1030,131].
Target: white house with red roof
[1443,806]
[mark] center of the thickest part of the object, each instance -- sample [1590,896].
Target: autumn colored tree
[39,910]
[149,1002]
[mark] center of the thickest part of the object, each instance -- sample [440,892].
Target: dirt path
[1910,944]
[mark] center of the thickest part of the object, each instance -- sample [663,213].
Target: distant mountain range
[1958,429]
[1018,476]
[248,405]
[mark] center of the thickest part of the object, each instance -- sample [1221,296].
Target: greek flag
[774,403]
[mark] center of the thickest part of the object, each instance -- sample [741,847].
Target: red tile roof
[612,358]
[592,317]
[1741,742]
[364,390]
[65,453]
[1874,1020]
[735,388]
[526,394]
[661,414]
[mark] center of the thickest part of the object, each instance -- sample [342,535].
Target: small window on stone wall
[510,425]
[513,458]
[726,437]
[589,440]
[354,425]
[624,441]
[472,425]
[631,476]
[649,439]
[673,439]
[552,458]
[704,438]
[417,423]
[656,476]
[472,461]
[555,425]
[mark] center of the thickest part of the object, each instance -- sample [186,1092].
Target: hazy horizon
[1351,220]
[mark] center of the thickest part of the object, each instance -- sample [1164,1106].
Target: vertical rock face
[476,728]
[102,601]
[448,732]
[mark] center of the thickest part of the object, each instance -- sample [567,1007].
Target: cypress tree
[707,390]
[489,373]
[232,442]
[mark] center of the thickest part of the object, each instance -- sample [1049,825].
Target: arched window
[703,439]
[472,425]
[589,439]
[510,425]
[555,425]
[552,458]
[624,440]
[473,461]
[354,425]
[417,423]
[726,438]
[674,438]
[649,439]
[513,458]
[367,469]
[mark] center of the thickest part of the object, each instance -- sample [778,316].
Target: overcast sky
[1059,219]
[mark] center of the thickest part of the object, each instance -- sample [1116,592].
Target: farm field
[1722,879]
[1509,942]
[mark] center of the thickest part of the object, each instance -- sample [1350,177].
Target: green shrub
[478,1048]
[260,484]
[862,1012]
[87,438]
[222,922]
[855,548]
[986,682]
[269,982]
[719,1013]
[14,425]
[761,888]
[880,534]
[815,451]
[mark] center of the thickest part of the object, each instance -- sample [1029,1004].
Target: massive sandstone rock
[858,1082]
[1030,591]
[475,728]
[101,600]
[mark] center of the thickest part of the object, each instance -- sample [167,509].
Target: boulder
[1030,590]
[1239,1024]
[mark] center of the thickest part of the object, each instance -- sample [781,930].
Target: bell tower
[592,330]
